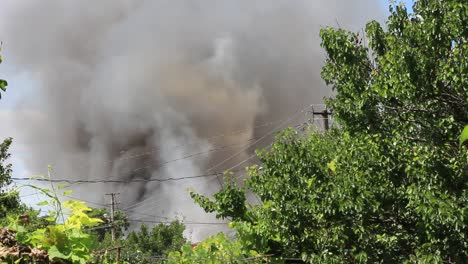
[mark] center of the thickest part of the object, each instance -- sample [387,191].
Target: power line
[209,138]
[156,216]
[245,147]
[292,117]
[79,199]
[144,167]
[248,145]
[185,223]
[123,210]
[117,181]
[26,195]
[285,121]
[141,202]
[147,206]
[238,164]
[242,162]
[104,205]
[226,134]
[158,166]
[235,132]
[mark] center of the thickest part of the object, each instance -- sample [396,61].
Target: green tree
[390,184]
[55,240]
[215,250]
[9,200]
[120,219]
[144,245]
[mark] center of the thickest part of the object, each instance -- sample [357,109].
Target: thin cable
[105,206]
[154,150]
[118,181]
[140,202]
[26,195]
[156,216]
[240,131]
[162,164]
[83,200]
[292,117]
[185,223]
[152,203]
[242,162]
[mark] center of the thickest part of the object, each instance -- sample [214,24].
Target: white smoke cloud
[118,78]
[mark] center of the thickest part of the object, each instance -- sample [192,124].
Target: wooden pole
[118,254]
[112,216]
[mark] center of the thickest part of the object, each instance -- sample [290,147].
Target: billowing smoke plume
[126,88]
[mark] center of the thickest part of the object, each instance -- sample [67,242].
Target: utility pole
[118,254]
[325,115]
[113,204]
[101,253]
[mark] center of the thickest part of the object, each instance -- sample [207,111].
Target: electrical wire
[185,223]
[118,181]
[105,205]
[292,117]
[245,147]
[221,135]
[140,202]
[162,164]
[236,132]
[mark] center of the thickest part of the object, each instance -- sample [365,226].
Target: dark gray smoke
[125,86]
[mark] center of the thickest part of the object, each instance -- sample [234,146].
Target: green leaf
[43,203]
[67,192]
[54,253]
[332,165]
[3,85]
[61,186]
[464,135]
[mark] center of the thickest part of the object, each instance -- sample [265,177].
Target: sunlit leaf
[464,135]
[3,84]
[43,203]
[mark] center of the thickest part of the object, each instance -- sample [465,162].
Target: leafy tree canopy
[217,249]
[390,183]
[121,223]
[9,201]
[148,245]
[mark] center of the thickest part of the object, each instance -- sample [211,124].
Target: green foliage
[9,200]
[214,250]
[230,201]
[142,246]
[411,79]
[390,184]
[30,218]
[3,83]
[64,240]
[121,223]
[464,135]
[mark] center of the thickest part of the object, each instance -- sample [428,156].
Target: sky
[19,85]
